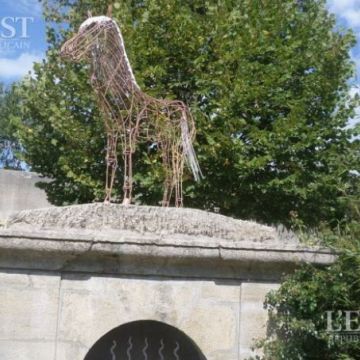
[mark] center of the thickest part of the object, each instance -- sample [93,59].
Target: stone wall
[18,192]
[60,316]
[70,275]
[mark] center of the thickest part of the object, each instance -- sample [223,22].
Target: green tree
[267,82]
[298,310]
[10,114]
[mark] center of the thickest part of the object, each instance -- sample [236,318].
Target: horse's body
[130,114]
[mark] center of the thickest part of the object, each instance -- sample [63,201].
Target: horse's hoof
[126,202]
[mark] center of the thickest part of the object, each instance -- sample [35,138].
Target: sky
[22,36]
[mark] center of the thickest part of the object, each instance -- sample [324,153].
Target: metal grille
[145,340]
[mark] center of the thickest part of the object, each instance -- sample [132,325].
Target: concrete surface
[18,192]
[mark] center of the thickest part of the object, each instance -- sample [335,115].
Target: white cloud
[353,91]
[356,58]
[18,67]
[357,61]
[349,10]
[26,7]
[352,17]
[342,5]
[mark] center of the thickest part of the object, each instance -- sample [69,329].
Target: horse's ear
[89,14]
[109,11]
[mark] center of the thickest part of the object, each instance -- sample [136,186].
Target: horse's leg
[127,177]
[178,161]
[128,180]
[108,166]
[111,163]
[168,174]
[178,174]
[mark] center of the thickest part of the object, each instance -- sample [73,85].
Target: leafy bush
[297,328]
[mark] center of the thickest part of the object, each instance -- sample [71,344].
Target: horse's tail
[187,136]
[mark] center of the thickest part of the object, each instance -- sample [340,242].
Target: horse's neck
[121,68]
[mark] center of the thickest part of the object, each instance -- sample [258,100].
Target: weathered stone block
[70,275]
[27,350]
[253,316]
[28,307]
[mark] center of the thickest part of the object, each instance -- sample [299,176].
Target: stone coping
[144,240]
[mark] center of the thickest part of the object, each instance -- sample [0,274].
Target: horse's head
[88,39]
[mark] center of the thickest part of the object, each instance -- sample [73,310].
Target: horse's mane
[105,19]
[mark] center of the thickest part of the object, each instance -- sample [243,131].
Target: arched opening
[145,340]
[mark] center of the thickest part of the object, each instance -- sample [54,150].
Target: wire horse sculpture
[130,114]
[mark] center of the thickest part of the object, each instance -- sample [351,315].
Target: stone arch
[145,340]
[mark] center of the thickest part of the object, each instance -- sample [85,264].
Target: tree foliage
[298,325]
[267,82]
[10,148]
